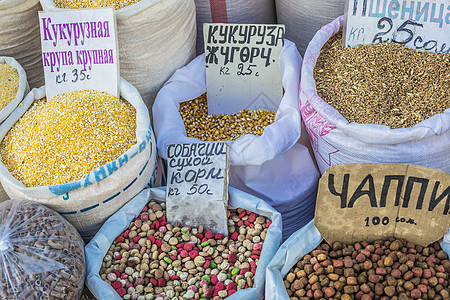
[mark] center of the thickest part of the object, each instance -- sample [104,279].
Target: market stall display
[89,193]
[232,11]
[273,166]
[41,254]
[13,85]
[335,140]
[180,259]
[19,37]
[304,18]
[156,37]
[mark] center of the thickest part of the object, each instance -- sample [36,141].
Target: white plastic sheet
[99,245]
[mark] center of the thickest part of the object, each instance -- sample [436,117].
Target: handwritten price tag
[420,25]
[197,187]
[79,51]
[242,69]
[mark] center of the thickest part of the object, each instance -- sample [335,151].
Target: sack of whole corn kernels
[90,199]
[41,254]
[336,140]
[14,85]
[250,270]
[20,36]
[272,166]
[232,11]
[156,37]
[304,18]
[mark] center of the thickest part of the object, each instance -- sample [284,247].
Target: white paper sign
[79,51]
[197,185]
[420,25]
[242,69]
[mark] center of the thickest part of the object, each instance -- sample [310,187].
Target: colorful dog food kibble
[9,84]
[76,4]
[65,138]
[386,83]
[155,260]
[200,125]
[392,269]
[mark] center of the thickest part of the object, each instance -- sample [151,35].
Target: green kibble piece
[207,278]
[185,230]
[206,243]
[213,265]
[234,271]
[173,248]
[197,284]
[167,260]
[228,276]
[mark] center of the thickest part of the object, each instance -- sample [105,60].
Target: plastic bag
[303,18]
[20,36]
[335,140]
[156,37]
[232,11]
[273,166]
[88,202]
[99,245]
[21,92]
[41,254]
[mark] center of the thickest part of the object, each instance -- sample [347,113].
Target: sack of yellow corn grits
[13,85]
[156,37]
[20,37]
[70,162]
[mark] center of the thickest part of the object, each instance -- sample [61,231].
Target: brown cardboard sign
[358,202]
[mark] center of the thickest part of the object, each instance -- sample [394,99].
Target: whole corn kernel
[200,125]
[76,4]
[63,139]
[9,84]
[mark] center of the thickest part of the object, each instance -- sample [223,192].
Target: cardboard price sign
[242,69]
[79,51]
[197,185]
[358,202]
[420,25]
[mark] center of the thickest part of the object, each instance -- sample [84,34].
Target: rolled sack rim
[436,125]
[144,138]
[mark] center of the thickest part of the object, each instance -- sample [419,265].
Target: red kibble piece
[145,209]
[136,239]
[242,214]
[193,254]
[161,282]
[422,288]
[252,217]
[180,245]
[254,257]
[232,257]
[218,236]
[175,277]
[173,257]
[160,251]
[231,292]
[209,293]
[188,246]
[415,294]
[418,271]
[243,271]
[163,223]
[206,264]
[219,286]
[163,218]
[144,217]
[234,236]
[251,225]
[152,239]
[338,263]
[246,223]
[268,224]
[231,286]
[118,257]
[214,280]
[120,239]
[116,285]
[252,264]
[216,293]
[184,253]
[199,236]
[128,285]
[256,252]
[131,245]
[154,281]
[158,243]
[380,271]
[439,268]
[209,234]
[152,226]
[125,234]
[208,257]
[116,272]
[157,224]
[123,276]
[121,292]
[204,240]
[240,223]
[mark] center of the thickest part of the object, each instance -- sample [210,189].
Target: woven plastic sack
[41,254]
[335,140]
[88,202]
[304,18]
[21,92]
[232,11]
[273,166]
[156,37]
[20,36]
[99,245]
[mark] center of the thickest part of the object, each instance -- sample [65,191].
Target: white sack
[20,36]
[303,18]
[88,202]
[21,92]
[232,11]
[97,248]
[335,140]
[156,37]
[267,166]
